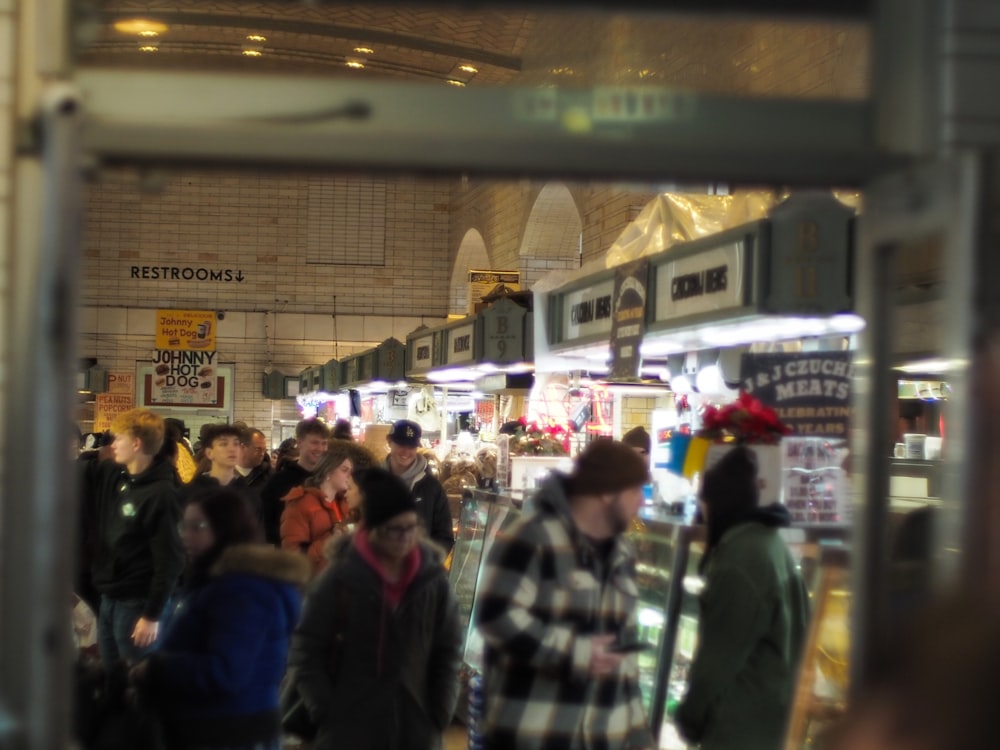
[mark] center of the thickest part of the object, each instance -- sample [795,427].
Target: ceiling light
[252,53]
[148,48]
[140,26]
[256,38]
[933,366]
[468,69]
[561,71]
[148,33]
[364,50]
[352,63]
[453,82]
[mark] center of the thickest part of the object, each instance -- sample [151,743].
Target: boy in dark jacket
[137,555]
[311,436]
[432,503]
[222,445]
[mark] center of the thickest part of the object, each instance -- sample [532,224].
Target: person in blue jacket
[216,677]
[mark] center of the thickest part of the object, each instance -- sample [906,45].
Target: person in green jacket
[754,616]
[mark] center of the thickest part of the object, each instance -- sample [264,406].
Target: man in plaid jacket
[559,592]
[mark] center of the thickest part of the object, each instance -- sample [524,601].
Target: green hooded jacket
[754,617]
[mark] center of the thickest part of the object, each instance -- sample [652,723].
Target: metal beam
[857,9]
[627,133]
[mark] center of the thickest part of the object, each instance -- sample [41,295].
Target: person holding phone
[557,612]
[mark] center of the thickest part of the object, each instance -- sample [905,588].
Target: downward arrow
[239,276]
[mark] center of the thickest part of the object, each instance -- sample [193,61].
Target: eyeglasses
[400,532]
[194,527]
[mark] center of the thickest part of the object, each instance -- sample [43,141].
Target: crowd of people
[247,594]
[198,570]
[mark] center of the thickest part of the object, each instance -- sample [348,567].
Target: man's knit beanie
[607,466]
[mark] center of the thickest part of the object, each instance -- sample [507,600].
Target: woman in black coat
[376,654]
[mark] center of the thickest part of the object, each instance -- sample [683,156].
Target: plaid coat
[541,600]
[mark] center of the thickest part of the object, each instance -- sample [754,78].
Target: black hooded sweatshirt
[138,551]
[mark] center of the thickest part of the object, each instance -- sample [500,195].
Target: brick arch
[472,253]
[551,237]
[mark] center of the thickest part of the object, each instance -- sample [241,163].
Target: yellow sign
[483,283]
[107,406]
[185,330]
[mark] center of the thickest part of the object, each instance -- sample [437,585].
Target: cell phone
[628,647]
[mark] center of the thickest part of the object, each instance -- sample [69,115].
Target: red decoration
[745,421]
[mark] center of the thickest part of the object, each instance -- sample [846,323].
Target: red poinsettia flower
[746,420]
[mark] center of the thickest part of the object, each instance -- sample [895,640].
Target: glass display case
[483,514]
[821,689]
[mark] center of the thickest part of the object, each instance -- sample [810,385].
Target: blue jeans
[115,623]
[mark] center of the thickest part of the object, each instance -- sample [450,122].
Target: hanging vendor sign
[628,321]
[810,391]
[185,330]
[183,378]
[710,280]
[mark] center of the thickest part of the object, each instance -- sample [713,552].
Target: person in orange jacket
[318,510]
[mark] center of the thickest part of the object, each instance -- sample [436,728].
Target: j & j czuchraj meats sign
[811,392]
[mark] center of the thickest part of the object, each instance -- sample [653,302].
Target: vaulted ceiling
[474,47]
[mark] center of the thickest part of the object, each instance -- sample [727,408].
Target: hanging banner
[628,321]
[185,330]
[810,391]
[185,379]
[483,283]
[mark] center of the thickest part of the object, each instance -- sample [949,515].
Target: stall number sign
[184,378]
[504,338]
[460,344]
[185,330]
[587,312]
[709,281]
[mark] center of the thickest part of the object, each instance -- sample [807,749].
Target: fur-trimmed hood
[264,561]
[337,547]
